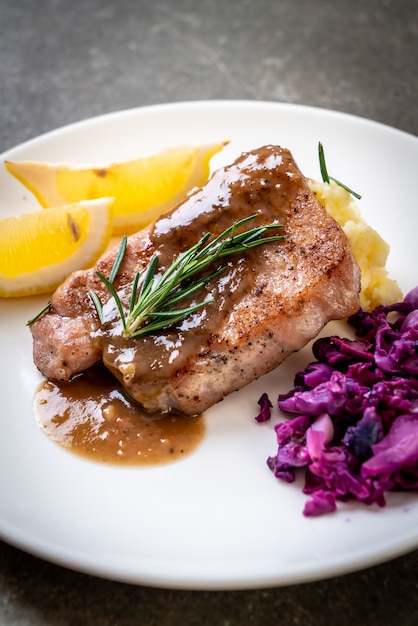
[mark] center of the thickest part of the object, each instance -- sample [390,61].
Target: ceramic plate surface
[218,519]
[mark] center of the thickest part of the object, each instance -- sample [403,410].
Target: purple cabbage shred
[265,409]
[354,430]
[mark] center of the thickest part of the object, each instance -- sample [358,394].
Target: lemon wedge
[38,250]
[143,188]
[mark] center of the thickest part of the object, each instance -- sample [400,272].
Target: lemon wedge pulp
[143,188]
[39,250]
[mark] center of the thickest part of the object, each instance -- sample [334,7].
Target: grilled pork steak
[268,302]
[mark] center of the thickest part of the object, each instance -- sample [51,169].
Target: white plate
[218,519]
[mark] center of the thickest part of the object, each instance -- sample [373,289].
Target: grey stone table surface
[61,62]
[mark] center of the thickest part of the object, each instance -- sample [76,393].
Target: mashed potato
[369,249]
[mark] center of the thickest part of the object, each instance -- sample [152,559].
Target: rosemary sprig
[153,296]
[325,176]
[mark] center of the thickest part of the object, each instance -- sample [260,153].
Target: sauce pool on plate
[93,417]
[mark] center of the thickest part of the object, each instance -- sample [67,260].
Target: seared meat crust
[269,302]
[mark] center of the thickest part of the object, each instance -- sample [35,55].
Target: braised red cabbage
[355,432]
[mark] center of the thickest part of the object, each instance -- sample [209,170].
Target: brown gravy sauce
[92,416]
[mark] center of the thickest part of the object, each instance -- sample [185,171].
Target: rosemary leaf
[99,308]
[134,292]
[116,298]
[149,277]
[322,164]
[118,260]
[39,315]
[353,193]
